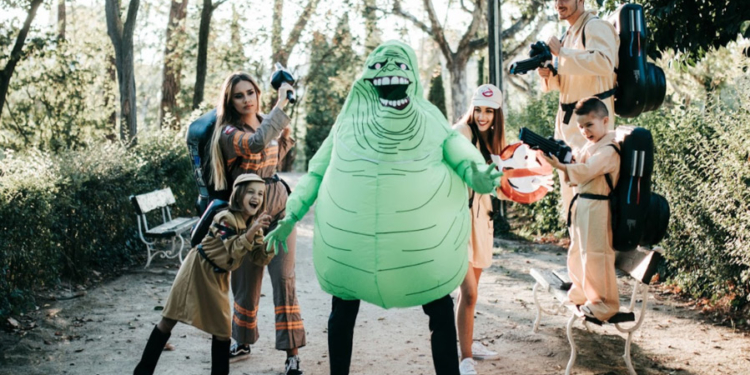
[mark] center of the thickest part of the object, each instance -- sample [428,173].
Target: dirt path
[105,331]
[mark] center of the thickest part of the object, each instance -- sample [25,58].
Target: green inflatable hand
[483,181]
[277,237]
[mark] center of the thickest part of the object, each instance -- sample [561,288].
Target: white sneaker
[480,352]
[466,367]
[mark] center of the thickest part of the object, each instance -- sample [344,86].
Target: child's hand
[262,222]
[552,161]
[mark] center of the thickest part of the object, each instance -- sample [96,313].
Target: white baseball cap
[487,96]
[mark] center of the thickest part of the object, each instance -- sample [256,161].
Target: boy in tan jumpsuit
[583,71]
[591,259]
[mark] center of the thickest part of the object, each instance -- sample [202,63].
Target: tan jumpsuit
[583,72]
[591,259]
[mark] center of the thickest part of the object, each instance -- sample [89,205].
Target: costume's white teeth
[390,81]
[384,102]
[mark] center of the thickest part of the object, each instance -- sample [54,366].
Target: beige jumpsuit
[583,72]
[199,295]
[591,259]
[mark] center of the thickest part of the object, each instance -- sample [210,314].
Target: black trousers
[442,330]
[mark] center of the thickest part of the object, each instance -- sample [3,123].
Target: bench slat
[148,202]
[172,228]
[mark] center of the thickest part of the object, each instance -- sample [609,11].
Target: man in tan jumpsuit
[583,71]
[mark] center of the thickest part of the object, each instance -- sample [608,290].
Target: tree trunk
[112,74]
[122,39]
[200,71]
[16,54]
[170,85]
[372,33]
[459,99]
[61,21]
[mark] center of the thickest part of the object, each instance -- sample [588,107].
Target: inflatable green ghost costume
[391,223]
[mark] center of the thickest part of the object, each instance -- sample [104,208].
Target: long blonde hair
[226,114]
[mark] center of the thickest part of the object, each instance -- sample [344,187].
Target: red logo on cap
[487,92]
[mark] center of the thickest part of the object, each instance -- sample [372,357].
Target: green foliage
[692,27]
[63,215]
[703,170]
[57,99]
[543,217]
[328,83]
[436,95]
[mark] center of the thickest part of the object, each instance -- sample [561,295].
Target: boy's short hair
[589,105]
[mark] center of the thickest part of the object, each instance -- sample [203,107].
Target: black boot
[220,356]
[152,352]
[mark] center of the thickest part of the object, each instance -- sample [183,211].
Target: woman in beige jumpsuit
[484,125]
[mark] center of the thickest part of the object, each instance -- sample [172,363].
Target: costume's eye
[377,65]
[403,66]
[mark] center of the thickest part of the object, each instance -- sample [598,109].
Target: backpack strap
[606,176]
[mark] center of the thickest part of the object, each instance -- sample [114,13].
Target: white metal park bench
[169,229]
[639,265]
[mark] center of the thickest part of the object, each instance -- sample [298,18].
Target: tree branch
[114,23]
[525,20]
[127,32]
[476,19]
[300,25]
[400,12]
[216,4]
[478,43]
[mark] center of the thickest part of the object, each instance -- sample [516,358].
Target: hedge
[64,215]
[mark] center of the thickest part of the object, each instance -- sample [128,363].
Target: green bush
[66,214]
[703,170]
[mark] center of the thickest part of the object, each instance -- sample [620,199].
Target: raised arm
[246,143]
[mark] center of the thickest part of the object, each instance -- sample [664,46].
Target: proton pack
[199,136]
[641,85]
[639,217]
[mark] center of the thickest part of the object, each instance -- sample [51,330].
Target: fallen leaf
[13,323]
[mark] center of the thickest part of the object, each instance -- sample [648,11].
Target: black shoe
[152,352]
[239,352]
[292,366]
[220,357]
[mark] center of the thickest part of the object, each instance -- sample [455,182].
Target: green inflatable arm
[305,194]
[468,163]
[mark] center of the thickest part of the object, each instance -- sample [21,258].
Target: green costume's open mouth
[392,91]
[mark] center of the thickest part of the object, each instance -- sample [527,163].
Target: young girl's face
[253,198]
[245,98]
[484,117]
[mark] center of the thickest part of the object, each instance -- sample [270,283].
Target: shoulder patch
[229,129]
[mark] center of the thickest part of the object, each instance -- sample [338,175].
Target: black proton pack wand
[539,57]
[280,76]
[550,146]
